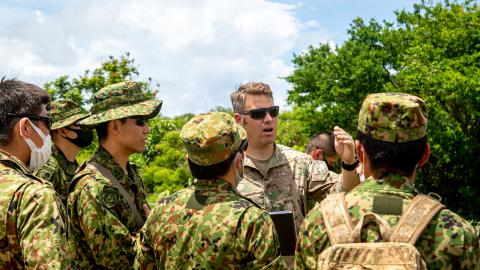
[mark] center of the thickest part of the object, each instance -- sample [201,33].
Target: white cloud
[198,51]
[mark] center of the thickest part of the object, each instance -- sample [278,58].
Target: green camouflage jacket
[208,226]
[448,242]
[32,230]
[290,177]
[101,222]
[58,171]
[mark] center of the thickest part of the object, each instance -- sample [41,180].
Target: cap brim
[149,108]
[69,120]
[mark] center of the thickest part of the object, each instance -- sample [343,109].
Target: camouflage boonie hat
[121,100]
[393,117]
[66,112]
[211,138]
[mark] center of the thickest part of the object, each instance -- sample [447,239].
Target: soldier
[209,225]
[322,147]
[68,139]
[278,177]
[107,194]
[391,145]
[32,231]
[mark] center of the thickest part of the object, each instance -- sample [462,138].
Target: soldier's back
[208,226]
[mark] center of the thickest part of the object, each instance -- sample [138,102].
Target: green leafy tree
[432,52]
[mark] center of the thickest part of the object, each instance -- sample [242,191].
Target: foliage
[432,52]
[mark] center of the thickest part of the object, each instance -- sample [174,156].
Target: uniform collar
[68,166]
[103,157]
[277,159]
[13,162]
[389,182]
[212,185]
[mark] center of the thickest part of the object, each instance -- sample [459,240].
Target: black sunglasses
[46,119]
[141,121]
[260,113]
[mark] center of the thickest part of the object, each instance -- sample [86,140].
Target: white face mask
[39,156]
[238,177]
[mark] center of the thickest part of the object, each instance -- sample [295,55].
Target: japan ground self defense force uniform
[209,225]
[102,223]
[32,230]
[447,242]
[58,170]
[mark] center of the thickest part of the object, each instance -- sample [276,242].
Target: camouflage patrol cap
[212,138]
[121,100]
[66,112]
[393,117]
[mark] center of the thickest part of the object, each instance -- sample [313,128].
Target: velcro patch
[387,205]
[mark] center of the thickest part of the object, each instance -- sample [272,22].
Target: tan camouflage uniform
[291,177]
[209,225]
[58,170]
[448,242]
[102,224]
[32,231]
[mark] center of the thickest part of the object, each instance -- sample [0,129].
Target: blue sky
[198,51]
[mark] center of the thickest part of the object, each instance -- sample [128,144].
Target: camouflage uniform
[448,242]
[290,177]
[32,231]
[58,170]
[209,225]
[102,224]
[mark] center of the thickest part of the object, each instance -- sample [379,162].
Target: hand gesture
[344,145]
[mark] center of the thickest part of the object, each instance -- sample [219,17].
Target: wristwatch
[350,167]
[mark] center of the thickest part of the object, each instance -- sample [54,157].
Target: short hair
[20,98]
[400,158]
[251,88]
[324,140]
[211,171]
[102,129]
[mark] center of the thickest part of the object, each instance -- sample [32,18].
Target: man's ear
[238,118]
[360,152]
[113,126]
[24,127]
[317,154]
[425,156]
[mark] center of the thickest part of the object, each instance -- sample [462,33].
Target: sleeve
[41,230]
[322,181]
[105,234]
[145,257]
[258,236]
[313,239]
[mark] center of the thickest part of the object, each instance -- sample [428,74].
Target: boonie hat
[212,138]
[120,100]
[66,112]
[393,117]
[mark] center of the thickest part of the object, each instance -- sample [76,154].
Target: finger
[146,209]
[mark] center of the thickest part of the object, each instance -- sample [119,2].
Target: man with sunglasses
[32,228]
[278,177]
[107,202]
[68,139]
[209,225]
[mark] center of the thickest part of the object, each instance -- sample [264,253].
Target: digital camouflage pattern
[448,242]
[102,225]
[291,177]
[121,100]
[65,112]
[208,226]
[393,117]
[211,138]
[58,171]
[32,230]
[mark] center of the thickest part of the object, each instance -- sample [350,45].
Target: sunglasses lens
[273,111]
[141,122]
[258,113]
